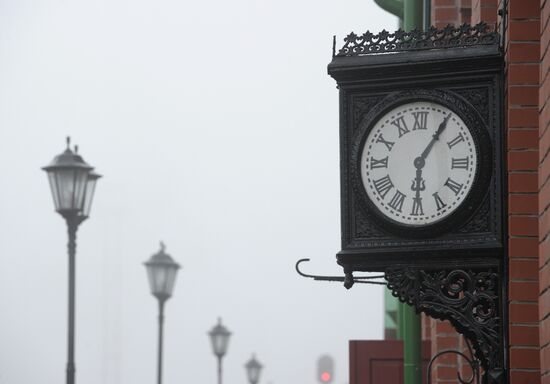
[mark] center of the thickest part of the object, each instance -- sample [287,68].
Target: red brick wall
[528,161]
[444,337]
[544,188]
[484,10]
[454,12]
[522,53]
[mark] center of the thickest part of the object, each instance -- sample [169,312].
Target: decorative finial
[162,246]
[76,149]
[68,142]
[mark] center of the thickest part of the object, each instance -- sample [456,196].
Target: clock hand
[435,137]
[418,183]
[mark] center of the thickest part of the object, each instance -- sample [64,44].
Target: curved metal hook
[348,280]
[474,366]
[315,277]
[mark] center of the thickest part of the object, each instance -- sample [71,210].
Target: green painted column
[395,7]
[412,345]
[413,14]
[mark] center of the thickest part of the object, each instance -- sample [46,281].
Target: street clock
[422,177]
[421,147]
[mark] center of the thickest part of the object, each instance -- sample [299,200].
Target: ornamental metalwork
[469,299]
[469,359]
[448,37]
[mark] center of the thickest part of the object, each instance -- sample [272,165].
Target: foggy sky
[215,126]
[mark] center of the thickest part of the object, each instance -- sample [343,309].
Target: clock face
[418,163]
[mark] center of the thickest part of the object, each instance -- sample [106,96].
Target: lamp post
[253,369]
[219,335]
[161,271]
[72,183]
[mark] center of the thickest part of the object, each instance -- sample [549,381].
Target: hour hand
[418,183]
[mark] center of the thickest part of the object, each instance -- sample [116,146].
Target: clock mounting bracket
[468,297]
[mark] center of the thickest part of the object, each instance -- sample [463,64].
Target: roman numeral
[420,120]
[388,144]
[456,140]
[401,126]
[438,202]
[453,185]
[397,201]
[383,185]
[375,163]
[461,163]
[417,207]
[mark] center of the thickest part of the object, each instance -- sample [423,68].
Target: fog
[215,126]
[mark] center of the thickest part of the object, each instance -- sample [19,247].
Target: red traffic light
[325,369]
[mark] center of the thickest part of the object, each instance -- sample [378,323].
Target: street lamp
[219,335]
[161,271]
[253,369]
[72,183]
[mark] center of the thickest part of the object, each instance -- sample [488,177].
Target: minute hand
[435,137]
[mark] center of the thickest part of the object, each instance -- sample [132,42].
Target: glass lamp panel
[89,195]
[220,342]
[65,181]
[170,280]
[254,373]
[157,278]
[54,189]
[70,185]
[162,279]
[253,368]
[81,182]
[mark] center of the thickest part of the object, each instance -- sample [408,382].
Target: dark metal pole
[219,369]
[161,324]
[72,226]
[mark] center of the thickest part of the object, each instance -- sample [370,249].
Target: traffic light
[325,369]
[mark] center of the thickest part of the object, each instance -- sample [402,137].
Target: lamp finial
[162,246]
[68,139]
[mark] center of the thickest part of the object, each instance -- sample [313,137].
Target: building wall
[527,105]
[453,12]
[544,189]
[522,63]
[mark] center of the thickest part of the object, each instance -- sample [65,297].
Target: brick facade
[522,102]
[527,102]
[544,187]
[452,12]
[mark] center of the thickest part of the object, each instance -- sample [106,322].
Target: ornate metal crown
[448,37]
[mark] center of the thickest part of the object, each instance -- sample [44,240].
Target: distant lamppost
[72,183]
[161,270]
[253,369]
[219,335]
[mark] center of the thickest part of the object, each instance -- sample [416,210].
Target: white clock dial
[418,163]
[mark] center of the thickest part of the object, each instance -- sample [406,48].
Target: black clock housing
[467,77]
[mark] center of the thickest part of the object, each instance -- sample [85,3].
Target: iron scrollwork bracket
[469,299]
